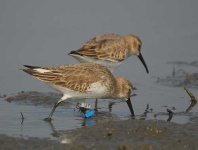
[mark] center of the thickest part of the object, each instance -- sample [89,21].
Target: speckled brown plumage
[76,77]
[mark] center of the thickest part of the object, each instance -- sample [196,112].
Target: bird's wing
[110,47]
[73,77]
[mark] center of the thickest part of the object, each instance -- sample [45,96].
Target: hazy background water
[44,32]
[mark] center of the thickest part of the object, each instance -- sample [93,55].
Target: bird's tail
[31,67]
[73,53]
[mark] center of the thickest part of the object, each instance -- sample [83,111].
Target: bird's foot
[49,119]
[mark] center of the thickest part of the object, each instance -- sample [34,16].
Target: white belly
[95,91]
[111,65]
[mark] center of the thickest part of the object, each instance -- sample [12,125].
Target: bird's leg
[96,105]
[49,118]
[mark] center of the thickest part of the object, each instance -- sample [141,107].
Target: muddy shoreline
[122,135]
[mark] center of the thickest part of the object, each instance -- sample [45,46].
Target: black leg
[96,105]
[49,118]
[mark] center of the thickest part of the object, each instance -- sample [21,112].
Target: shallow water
[33,124]
[65,117]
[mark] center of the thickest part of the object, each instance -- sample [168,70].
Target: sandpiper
[110,50]
[85,80]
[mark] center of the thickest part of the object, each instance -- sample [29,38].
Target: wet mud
[34,98]
[180,75]
[121,135]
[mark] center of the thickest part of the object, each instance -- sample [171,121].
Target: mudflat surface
[122,135]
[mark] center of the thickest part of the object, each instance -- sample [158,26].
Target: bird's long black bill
[142,60]
[130,107]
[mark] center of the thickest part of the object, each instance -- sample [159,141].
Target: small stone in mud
[109,133]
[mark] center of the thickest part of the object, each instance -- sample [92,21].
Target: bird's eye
[139,47]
